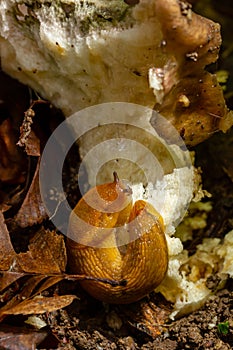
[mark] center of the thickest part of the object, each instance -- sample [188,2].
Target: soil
[92,329]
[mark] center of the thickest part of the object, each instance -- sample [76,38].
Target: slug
[95,249]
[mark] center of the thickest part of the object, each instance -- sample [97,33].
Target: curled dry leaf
[23,294]
[7,253]
[46,255]
[33,210]
[40,305]
[47,283]
[30,290]
[7,257]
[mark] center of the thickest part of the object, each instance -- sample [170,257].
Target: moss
[223,328]
[91,15]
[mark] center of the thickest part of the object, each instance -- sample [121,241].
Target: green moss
[223,328]
[89,15]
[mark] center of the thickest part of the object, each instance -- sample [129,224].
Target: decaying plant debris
[34,279]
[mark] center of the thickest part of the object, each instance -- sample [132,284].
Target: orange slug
[95,249]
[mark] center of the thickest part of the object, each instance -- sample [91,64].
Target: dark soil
[97,327]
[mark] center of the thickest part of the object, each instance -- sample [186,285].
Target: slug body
[110,238]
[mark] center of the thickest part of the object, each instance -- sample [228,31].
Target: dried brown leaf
[7,253]
[30,291]
[9,277]
[24,294]
[39,305]
[32,210]
[33,145]
[46,255]
[18,338]
[30,286]
[149,317]
[49,282]
[12,161]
